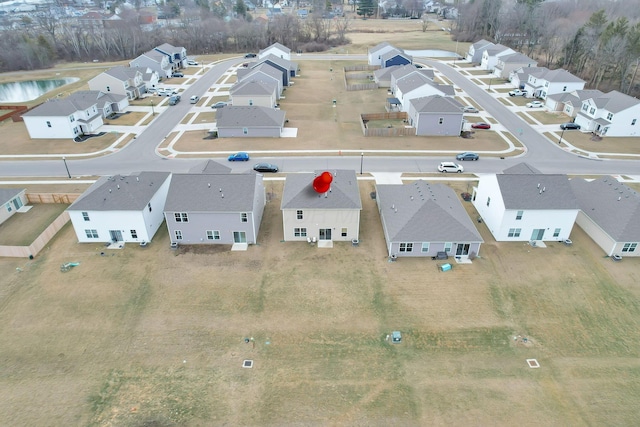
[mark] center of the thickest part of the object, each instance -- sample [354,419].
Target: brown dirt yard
[155,337]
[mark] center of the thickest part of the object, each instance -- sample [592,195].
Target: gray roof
[298,191]
[249,116]
[424,212]
[412,81]
[610,204]
[517,58]
[281,62]
[481,43]
[385,73]
[170,49]
[496,49]
[122,73]
[437,104]
[77,101]
[277,46]
[576,97]
[210,167]
[536,191]
[253,87]
[120,193]
[559,75]
[524,72]
[398,72]
[7,194]
[211,192]
[264,68]
[380,46]
[615,101]
[521,168]
[395,52]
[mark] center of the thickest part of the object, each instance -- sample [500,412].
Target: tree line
[597,40]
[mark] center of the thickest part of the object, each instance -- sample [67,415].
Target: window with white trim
[85,216]
[300,232]
[299,215]
[213,235]
[448,246]
[91,234]
[556,232]
[48,124]
[425,247]
[610,116]
[488,201]
[134,234]
[343,232]
[519,215]
[178,234]
[629,247]
[181,217]
[406,247]
[440,120]
[514,232]
[633,122]
[244,217]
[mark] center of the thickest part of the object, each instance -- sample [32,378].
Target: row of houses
[83,112]
[209,205]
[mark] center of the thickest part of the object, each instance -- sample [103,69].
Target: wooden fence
[15,111]
[386,132]
[359,76]
[41,241]
[361,67]
[66,198]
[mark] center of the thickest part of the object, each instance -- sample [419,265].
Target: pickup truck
[518,92]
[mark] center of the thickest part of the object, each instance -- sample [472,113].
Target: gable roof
[521,168]
[481,43]
[398,72]
[169,49]
[212,192]
[437,104]
[210,167]
[424,212]
[517,58]
[277,61]
[120,192]
[615,101]
[253,87]
[122,73]
[497,49]
[415,81]
[536,191]
[276,45]
[381,46]
[7,194]
[249,116]
[77,101]
[395,52]
[264,68]
[612,205]
[298,192]
[559,75]
[576,97]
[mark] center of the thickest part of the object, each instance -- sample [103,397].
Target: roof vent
[220,190]
[538,185]
[209,185]
[393,206]
[222,195]
[544,189]
[540,191]
[411,197]
[619,198]
[109,190]
[137,179]
[118,186]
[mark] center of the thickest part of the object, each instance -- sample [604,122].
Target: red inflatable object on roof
[322,182]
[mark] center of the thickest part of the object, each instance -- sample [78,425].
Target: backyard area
[154,336]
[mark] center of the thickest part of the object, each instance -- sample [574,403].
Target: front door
[239,237]
[17,202]
[116,235]
[325,234]
[537,234]
[462,249]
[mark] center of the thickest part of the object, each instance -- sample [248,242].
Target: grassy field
[151,336]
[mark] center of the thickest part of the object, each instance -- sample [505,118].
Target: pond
[30,89]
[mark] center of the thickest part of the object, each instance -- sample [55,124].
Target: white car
[450,167]
[535,104]
[194,99]
[192,62]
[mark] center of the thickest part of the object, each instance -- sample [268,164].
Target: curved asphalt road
[140,155]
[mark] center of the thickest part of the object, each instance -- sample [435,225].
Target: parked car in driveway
[192,62]
[177,75]
[535,104]
[469,109]
[219,105]
[467,156]
[569,126]
[265,167]
[518,92]
[450,167]
[481,125]
[239,157]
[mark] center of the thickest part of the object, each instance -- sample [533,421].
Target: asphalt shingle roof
[424,212]
[612,205]
[211,192]
[7,194]
[77,101]
[253,87]
[249,116]
[120,193]
[437,104]
[536,191]
[615,101]
[122,73]
[298,191]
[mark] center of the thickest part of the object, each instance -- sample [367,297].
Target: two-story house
[277,49]
[523,204]
[254,92]
[417,86]
[545,82]
[611,114]
[155,61]
[374,54]
[262,72]
[491,54]
[328,214]
[476,50]
[177,55]
[120,80]
[436,115]
[508,63]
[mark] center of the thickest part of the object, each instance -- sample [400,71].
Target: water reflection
[30,90]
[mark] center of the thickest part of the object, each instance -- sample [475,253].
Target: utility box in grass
[396,337]
[445,267]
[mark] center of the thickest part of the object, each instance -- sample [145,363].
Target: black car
[265,167]
[568,126]
[177,75]
[250,55]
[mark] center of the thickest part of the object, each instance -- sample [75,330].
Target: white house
[402,71]
[330,215]
[609,214]
[121,208]
[507,63]
[155,61]
[418,86]
[522,204]
[477,49]
[80,113]
[177,55]
[611,114]
[374,55]
[545,82]
[120,80]
[491,54]
[570,102]
[11,199]
[436,115]
[520,76]
[276,49]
